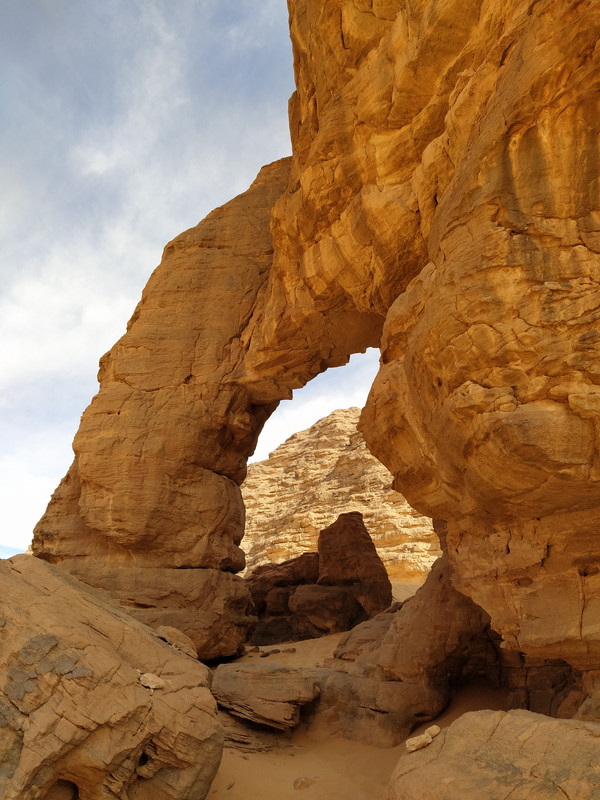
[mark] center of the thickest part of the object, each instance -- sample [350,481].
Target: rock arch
[444,180]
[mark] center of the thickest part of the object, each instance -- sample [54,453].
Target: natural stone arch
[456,145]
[162,449]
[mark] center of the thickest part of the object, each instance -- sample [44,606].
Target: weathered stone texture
[497,754]
[161,450]
[269,694]
[394,671]
[490,358]
[318,474]
[92,704]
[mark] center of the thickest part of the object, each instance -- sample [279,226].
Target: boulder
[394,671]
[293,572]
[498,754]
[320,610]
[92,703]
[270,694]
[348,557]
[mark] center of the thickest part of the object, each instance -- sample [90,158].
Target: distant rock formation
[329,591]
[322,472]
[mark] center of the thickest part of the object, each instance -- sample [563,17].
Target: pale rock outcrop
[269,694]
[497,755]
[92,704]
[314,476]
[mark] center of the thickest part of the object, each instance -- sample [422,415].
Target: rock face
[330,591]
[92,704]
[492,754]
[488,386]
[318,474]
[442,201]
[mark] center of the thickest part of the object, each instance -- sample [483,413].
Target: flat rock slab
[498,755]
[92,703]
[270,694]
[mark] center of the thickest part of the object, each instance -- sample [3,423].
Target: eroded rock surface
[497,755]
[162,448]
[394,671]
[488,386]
[92,704]
[269,694]
[318,474]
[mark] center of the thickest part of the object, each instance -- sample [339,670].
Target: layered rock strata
[92,704]
[314,476]
[443,193]
[342,584]
[270,695]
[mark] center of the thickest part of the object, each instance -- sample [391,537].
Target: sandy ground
[317,766]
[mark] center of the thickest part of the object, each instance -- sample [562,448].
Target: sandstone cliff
[442,201]
[318,474]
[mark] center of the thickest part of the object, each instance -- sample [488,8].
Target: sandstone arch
[444,179]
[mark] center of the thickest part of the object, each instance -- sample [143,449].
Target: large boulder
[347,557]
[269,694]
[92,704]
[498,754]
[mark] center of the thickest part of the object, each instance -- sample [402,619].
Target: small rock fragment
[151,681]
[303,783]
[418,742]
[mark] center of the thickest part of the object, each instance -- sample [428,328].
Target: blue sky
[122,123]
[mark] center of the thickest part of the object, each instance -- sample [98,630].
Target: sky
[122,123]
